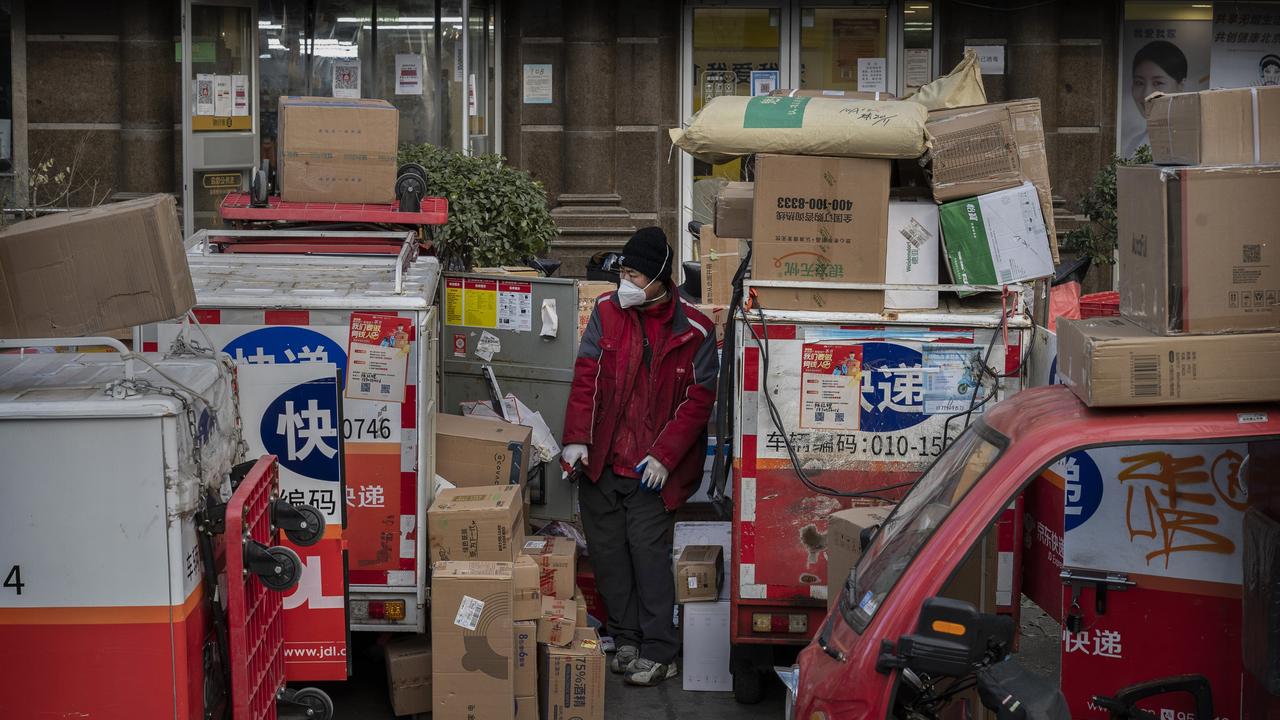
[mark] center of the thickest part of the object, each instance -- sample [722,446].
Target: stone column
[147,88]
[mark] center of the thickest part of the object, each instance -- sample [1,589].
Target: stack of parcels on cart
[1198,262]
[829,223]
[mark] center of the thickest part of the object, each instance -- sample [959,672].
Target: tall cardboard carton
[912,255]
[1197,249]
[337,150]
[409,674]
[473,641]
[476,524]
[844,546]
[820,220]
[1111,362]
[734,211]
[985,148]
[477,451]
[88,272]
[556,557]
[719,260]
[571,679]
[1239,126]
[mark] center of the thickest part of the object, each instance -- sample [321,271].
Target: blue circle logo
[285,344]
[301,428]
[1082,488]
[892,387]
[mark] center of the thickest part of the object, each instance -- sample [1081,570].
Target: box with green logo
[997,238]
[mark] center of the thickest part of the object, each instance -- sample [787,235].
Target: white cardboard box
[704,533]
[706,647]
[911,257]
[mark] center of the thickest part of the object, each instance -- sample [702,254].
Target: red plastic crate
[1103,304]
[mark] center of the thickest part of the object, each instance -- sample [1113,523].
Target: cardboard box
[571,679]
[699,573]
[91,271]
[718,314]
[558,621]
[844,544]
[588,292]
[1197,250]
[473,641]
[1113,362]
[527,582]
[719,260]
[1215,127]
[911,254]
[705,665]
[582,619]
[337,150]
[477,451]
[820,220]
[525,658]
[409,674]
[527,708]
[735,205]
[555,556]
[476,524]
[997,238]
[980,149]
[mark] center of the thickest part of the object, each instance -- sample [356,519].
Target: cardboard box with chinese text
[473,641]
[571,679]
[476,451]
[480,523]
[556,557]
[337,150]
[558,621]
[734,211]
[996,239]
[525,658]
[527,583]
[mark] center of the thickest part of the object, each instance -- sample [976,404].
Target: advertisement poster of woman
[1165,56]
[1246,44]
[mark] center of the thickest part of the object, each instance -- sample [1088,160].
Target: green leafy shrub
[497,214]
[1097,238]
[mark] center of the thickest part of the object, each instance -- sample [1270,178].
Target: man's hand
[655,473]
[574,454]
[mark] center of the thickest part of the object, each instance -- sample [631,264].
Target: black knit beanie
[648,252]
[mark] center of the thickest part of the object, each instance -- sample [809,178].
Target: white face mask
[630,294]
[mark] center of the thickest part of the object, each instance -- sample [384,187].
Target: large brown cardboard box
[527,578]
[473,641]
[984,148]
[476,524]
[699,573]
[735,205]
[571,679]
[556,556]
[844,546]
[1197,249]
[88,272]
[1113,362]
[558,621]
[525,658]
[719,260]
[820,220]
[337,150]
[1215,127]
[409,674]
[477,451]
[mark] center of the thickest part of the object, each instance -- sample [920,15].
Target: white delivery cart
[287,321]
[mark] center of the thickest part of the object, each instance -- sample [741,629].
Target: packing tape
[1257,140]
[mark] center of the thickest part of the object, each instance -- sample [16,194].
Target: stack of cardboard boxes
[1199,264]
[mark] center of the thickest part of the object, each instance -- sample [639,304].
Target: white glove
[655,474]
[574,454]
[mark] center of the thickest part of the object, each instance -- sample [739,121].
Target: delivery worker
[636,424]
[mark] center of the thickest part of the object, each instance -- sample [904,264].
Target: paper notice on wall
[378,357]
[472,107]
[346,78]
[487,346]
[222,95]
[515,306]
[240,95]
[990,58]
[537,84]
[830,375]
[408,74]
[918,68]
[204,94]
[454,294]
[872,75]
[950,378]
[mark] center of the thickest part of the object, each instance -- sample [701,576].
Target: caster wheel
[311,531]
[287,569]
[314,703]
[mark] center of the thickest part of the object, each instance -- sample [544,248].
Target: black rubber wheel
[748,685]
[410,189]
[315,703]
[288,569]
[260,185]
[313,529]
[414,168]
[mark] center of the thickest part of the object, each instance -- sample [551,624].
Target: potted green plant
[1097,238]
[497,214]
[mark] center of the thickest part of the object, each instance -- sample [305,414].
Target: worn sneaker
[622,659]
[649,673]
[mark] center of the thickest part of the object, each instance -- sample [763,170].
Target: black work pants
[629,535]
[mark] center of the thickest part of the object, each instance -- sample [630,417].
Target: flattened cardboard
[473,641]
[820,220]
[719,260]
[409,674]
[844,545]
[1238,126]
[985,148]
[92,271]
[571,679]
[476,524]
[704,665]
[337,150]
[527,577]
[1196,248]
[525,659]
[556,557]
[477,451]
[1110,362]
[699,573]
[735,211]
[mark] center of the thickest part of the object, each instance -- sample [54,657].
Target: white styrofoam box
[706,647]
[912,254]
[705,533]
